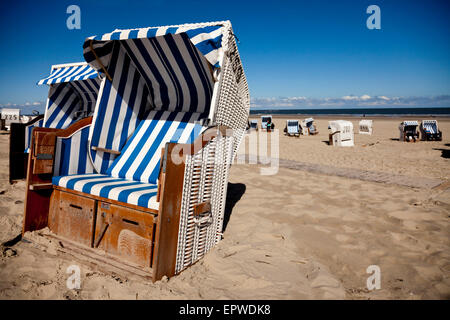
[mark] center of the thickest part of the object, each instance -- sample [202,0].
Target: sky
[295,53]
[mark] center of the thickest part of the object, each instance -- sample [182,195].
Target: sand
[308,232]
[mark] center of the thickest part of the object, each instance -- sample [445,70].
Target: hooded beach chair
[171,112]
[309,127]
[408,131]
[73,90]
[430,131]
[292,128]
[265,120]
[365,127]
[341,133]
[253,125]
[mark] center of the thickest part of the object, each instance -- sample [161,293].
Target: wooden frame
[97,226]
[39,174]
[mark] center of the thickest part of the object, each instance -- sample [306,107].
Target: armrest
[44,143]
[202,140]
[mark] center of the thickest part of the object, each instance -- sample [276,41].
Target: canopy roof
[410,123]
[206,37]
[69,72]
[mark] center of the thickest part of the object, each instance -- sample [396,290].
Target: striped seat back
[165,73]
[71,154]
[122,104]
[140,158]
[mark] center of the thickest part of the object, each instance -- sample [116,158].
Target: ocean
[359,112]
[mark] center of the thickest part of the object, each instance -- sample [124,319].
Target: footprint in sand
[342,238]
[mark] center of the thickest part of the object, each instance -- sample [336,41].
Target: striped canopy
[72,94]
[164,69]
[410,123]
[68,73]
[206,37]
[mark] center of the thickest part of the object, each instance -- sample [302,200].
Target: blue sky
[295,53]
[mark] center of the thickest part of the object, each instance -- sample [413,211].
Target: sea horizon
[358,111]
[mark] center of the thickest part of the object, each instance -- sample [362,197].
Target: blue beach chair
[171,111]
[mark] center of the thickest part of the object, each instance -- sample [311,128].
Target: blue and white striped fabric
[28,131]
[69,73]
[206,38]
[430,126]
[71,154]
[131,192]
[72,95]
[123,103]
[177,75]
[69,102]
[140,158]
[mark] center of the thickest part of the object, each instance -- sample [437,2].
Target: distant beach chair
[73,90]
[292,128]
[341,133]
[365,127]
[253,125]
[265,120]
[430,131]
[171,113]
[309,127]
[408,131]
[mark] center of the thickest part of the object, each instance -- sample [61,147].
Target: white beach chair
[73,90]
[172,110]
[430,131]
[309,127]
[408,131]
[365,127]
[292,128]
[341,133]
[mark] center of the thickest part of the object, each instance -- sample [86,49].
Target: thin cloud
[350,101]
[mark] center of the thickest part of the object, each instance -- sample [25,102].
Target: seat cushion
[131,192]
[140,158]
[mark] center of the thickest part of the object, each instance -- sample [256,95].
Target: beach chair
[73,90]
[341,133]
[171,112]
[408,131]
[365,127]
[309,127]
[253,125]
[292,128]
[430,131]
[265,120]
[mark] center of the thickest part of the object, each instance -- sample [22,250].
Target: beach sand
[310,231]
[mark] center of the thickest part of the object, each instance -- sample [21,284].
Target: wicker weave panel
[206,173]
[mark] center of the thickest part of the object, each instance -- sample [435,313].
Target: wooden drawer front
[124,232]
[74,218]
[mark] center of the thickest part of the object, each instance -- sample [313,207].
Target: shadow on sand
[445,152]
[235,192]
